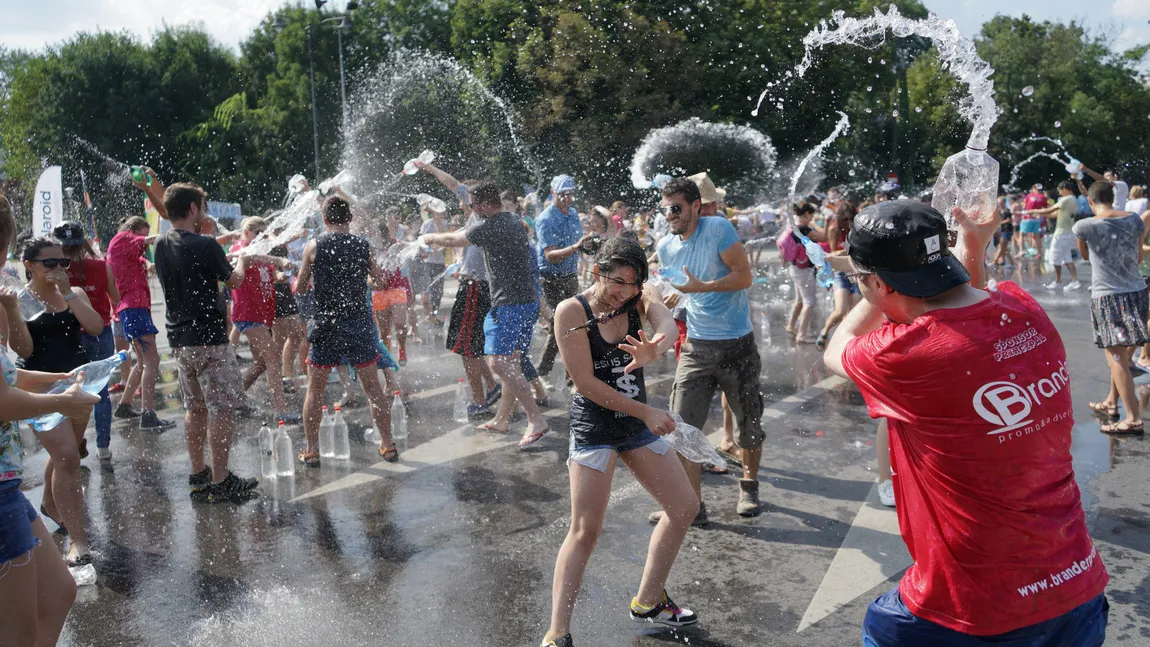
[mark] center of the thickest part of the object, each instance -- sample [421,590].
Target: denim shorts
[244,326]
[888,623]
[843,283]
[137,322]
[507,329]
[599,457]
[353,339]
[16,517]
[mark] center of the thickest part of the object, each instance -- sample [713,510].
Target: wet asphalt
[456,545]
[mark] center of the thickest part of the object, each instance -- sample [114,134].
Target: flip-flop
[309,460]
[390,454]
[732,458]
[717,469]
[530,439]
[488,426]
[821,342]
[803,339]
[60,527]
[1121,428]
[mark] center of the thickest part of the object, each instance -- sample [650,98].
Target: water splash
[738,156]
[1015,172]
[1038,138]
[840,128]
[955,52]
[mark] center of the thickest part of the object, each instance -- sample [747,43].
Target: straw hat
[707,189]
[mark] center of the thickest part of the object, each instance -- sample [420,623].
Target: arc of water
[1037,138]
[659,137]
[956,52]
[1014,172]
[840,128]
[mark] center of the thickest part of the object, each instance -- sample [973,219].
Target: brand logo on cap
[932,244]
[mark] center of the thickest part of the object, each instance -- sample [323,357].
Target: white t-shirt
[1121,194]
[1137,206]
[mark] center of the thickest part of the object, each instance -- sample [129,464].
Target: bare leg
[728,442]
[398,313]
[471,368]
[150,358]
[515,388]
[196,430]
[135,375]
[379,401]
[263,351]
[220,441]
[126,367]
[796,309]
[62,476]
[1118,359]
[36,593]
[313,407]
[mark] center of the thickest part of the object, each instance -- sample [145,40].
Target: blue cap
[562,183]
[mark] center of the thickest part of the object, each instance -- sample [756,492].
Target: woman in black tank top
[604,351]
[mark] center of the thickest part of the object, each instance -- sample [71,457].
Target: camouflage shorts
[209,377]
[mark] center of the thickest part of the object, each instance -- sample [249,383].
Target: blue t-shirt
[553,229]
[711,316]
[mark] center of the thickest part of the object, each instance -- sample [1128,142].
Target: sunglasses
[51,263]
[672,209]
[855,277]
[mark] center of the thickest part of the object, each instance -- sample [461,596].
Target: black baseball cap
[904,243]
[70,234]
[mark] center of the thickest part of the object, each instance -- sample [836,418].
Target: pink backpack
[791,249]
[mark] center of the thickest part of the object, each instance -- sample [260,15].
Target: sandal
[1103,408]
[530,439]
[716,469]
[309,459]
[1122,428]
[81,560]
[59,526]
[730,455]
[821,342]
[391,454]
[803,339]
[488,426]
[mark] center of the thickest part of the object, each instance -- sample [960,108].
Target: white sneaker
[886,493]
[104,453]
[1052,285]
[1074,285]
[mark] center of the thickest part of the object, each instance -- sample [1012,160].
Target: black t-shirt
[191,268]
[508,257]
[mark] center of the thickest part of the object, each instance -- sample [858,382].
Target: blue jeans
[888,623]
[99,348]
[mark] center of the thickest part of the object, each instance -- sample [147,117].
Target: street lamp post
[314,113]
[340,25]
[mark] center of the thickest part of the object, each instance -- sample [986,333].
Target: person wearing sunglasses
[58,347]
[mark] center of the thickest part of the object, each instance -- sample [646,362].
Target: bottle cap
[461,380]
[395,393]
[325,407]
[337,407]
[281,423]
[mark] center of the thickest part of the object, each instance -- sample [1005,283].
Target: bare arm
[16,404]
[740,277]
[862,319]
[113,291]
[456,238]
[443,176]
[36,381]
[154,190]
[557,254]
[1083,249]
[237,278]
[303,279]
[90,321]
[16,329]
[972,241]
[1145,227]
[1092,173]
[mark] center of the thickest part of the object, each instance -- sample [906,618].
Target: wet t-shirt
[125,255]
[978,404]
[191,267]
[1113,244]
[339,273]
[510,269]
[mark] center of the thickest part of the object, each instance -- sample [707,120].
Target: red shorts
[682,326]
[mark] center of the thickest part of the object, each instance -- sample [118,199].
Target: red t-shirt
[1035,201]
[978,403]
[92,275]
[255,299]
[124,256]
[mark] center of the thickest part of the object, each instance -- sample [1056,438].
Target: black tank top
[340,275]
[592,424]
[57,346]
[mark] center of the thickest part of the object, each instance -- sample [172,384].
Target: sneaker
[1053,285]
[149,421]
[104,453]
[125,411]
[886,493]
[118,387]
[243,361]
[228,488]
[1074,285]
[565,641]
[700,518]
[290,419]
[748,505]
[493,395]
[475,411]
[200,481]
[666,612]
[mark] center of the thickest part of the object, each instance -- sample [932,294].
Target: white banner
[48,203]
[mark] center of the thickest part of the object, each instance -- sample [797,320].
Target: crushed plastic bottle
[341,448]
[267,449]
[30,306]
[96,376]
[968,180]
[398,418]
[462,398]
[431,202]
[426,157]
[326,436]
[340,179]
[371,436]
[84,575]
[285,454]
[1074,168]
[691,444]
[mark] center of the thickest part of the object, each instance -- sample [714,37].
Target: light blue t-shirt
[554,229]
[712,315]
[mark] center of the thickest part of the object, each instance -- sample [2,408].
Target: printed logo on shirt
[625,383]
[1060,578]
[1022,343]
[1009,405]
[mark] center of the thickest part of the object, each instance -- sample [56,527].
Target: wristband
[71,295]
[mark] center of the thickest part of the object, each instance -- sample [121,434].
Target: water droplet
[1028,90]
[918,108]
[868,111]
[755,112]
[894,114]
[869,88]
[890,225]
[851,173]
[1004,317]
[1058,124]
[870,59]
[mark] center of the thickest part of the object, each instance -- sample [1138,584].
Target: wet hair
[617,205]
[1065,186]
[31,246]
[1102,192]
[804,209]
[684,187]
[179,198]
[486,192]
[132,223]
[622,251]
[336,211]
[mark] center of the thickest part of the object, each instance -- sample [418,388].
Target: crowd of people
[613,290]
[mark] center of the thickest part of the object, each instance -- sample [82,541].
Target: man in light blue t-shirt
[560,236]
[720,350]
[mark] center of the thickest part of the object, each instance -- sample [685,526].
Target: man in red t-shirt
[974,386]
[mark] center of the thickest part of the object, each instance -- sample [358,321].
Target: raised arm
[443,176]
[154,190]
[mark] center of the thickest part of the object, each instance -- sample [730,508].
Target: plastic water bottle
[30,306]
[818,258]
[398,418]
[340,179]
[1073,167]
[285,455]
[672,275]
[267,444]
[426,157]
[371,436]
[140,175]
[968,180]
[96,377]
[326,436]
[84,575]
[341,448]
[462,398]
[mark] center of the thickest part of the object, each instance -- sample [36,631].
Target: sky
[33,25]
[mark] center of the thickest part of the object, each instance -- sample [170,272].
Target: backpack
[791,249]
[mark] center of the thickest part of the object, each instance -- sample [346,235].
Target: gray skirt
[1120,319]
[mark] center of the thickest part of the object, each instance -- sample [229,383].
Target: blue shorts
[352,340]
[599,457]
[117,330]
[1030,226]
[508,328]
[244,326]
[843,283]
[888,623]
[137,323]
[16,517]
